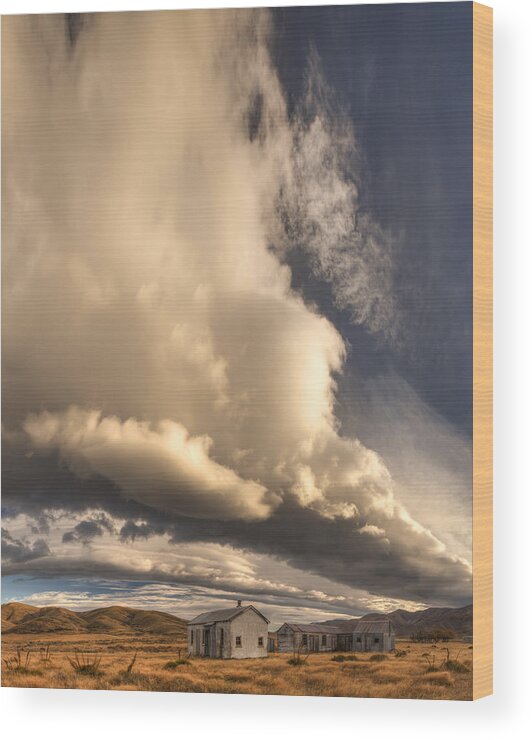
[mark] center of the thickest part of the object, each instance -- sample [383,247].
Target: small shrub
[378,657]
[173,664]
[400,653]
[89,670]
[86,665]
[20,663]
[343,658]
[431,662]
[455,666]
[296,658]
[28,671]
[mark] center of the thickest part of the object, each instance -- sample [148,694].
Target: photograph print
[237,351]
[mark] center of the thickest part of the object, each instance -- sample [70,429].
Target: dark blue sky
[403,73]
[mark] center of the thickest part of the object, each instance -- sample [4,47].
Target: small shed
[307,638]
[239,632]
[373,637]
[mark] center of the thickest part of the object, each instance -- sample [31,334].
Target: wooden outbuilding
[307,638]
[356,635]
[373,637]
[240,632]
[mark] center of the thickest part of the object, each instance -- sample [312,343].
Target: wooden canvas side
[482,352]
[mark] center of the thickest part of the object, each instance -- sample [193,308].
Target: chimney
[239,603]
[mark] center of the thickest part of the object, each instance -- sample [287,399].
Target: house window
[238,641]
[359,639]
[304,640]
[324,640]
[191,637]
[261,641]
[376,640]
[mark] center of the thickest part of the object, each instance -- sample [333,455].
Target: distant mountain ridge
[459,620]
[18,618]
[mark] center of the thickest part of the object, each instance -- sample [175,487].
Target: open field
[396,676]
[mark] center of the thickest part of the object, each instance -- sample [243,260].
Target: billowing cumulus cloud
[158,362]
[162,467]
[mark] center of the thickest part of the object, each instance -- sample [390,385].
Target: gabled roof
[224,615]
[364,626]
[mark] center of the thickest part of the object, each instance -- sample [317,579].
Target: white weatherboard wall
[249,626]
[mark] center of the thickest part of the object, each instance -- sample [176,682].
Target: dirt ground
[108,662]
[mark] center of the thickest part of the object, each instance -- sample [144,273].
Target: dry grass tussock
[35,662]
[86,665]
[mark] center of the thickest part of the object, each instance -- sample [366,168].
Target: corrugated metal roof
[223,615]
[359,626]
[321,629]
[219,615]
[364,626]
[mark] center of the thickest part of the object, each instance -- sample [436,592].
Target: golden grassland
[108,662]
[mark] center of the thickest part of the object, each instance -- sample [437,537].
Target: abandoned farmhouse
[242,632]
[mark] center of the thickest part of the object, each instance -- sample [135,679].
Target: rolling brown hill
[13,613]
[459,620]
[20,618]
